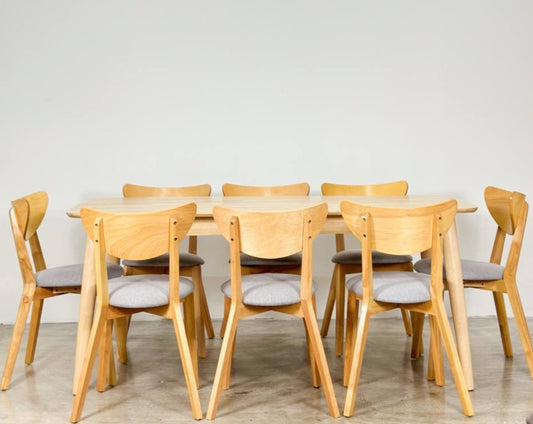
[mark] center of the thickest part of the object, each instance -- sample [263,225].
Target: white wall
[94,94]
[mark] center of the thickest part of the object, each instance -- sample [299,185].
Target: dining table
[204,225]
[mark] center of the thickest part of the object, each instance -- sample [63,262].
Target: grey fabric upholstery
[292,260]
[144,291]
[353,257]
[270,289]
[69,275]
[472,270]
[186,260]
[395,286]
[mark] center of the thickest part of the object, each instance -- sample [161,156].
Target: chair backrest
[30,211]
[301,189]
[26,215]
[400,231]
[132,190]
[137,236]
[270,235]
[202,190]
[509,209]
[505,207]
[397,188]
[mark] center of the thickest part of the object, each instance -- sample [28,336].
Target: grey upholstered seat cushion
[472,270]
[144,291]
[186,259]
[395,286]
[292,260]
[270,289]
[353,257]
[69,275]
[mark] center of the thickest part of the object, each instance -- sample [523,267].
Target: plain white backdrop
[94,94]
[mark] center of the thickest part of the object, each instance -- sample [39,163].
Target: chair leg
[186,361]
[112,374]
[407,322]
[435,361]
[16,338]
[340,291]
[357,361]
[453,357]
[104,352]
[122,326]
[206,315]
[320,356]
[227,305]
[417,346]
[35,322]
[229,364]
[501,313]
[88,363]
[329,305]
[351,329]
[315,376]
[190,330]
[199,323]
[521,323]
[229,334]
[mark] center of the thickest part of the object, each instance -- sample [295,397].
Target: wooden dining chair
[39,282]
[270,235]
[251,265]
[190,262]
[399,231]
[348,261]
[509,211]
[136,237]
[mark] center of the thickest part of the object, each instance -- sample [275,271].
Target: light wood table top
[272,203]
[204,224]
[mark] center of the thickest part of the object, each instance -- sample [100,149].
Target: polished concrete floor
[270,379]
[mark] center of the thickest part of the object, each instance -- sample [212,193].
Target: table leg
[454,276]
[87,301]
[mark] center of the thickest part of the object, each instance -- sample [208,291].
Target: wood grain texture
[259,204]
[300,189]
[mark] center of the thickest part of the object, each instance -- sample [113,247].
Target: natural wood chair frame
[26,215]
[509,210]
[269,235]
[336,295]
[228,189]
[203,318]
[136,237]
[400,231]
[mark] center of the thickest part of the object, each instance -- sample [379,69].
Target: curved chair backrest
[509,209]
[270,234]
[397,188]
[26,215]
[399,231]
[301,189]
[132,190]
[504,207]
[139,236]
[30,211]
